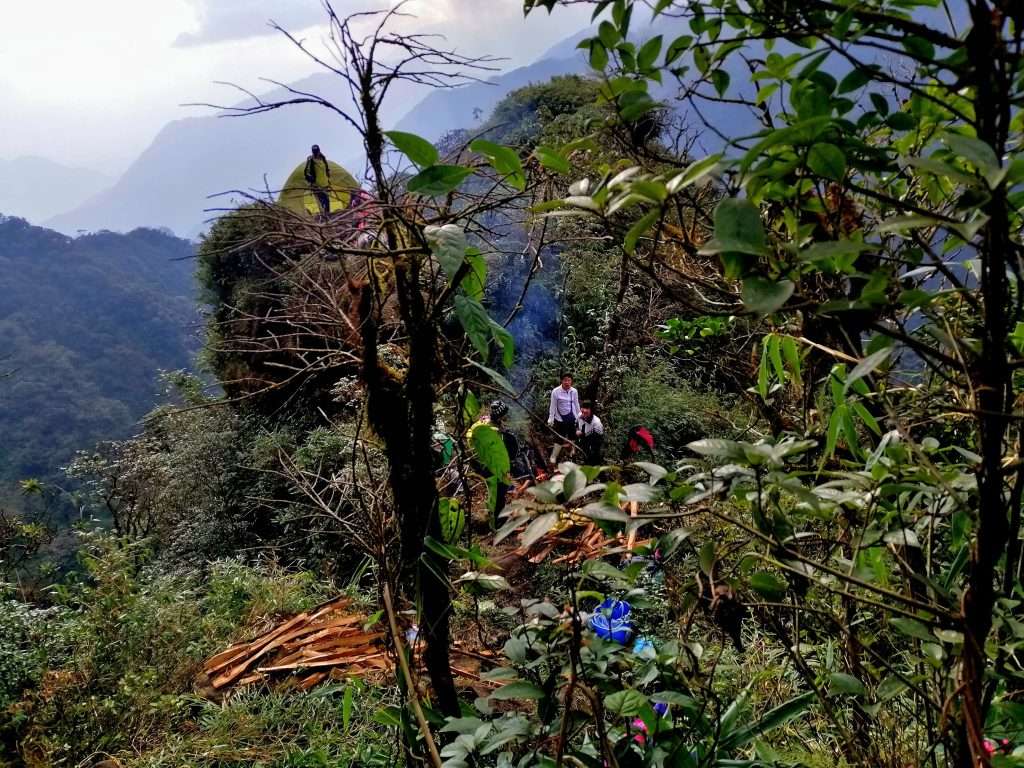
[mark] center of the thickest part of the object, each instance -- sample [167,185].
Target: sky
[91,83]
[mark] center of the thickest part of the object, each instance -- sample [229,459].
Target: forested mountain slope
[86,324]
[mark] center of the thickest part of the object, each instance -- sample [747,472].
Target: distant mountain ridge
[36,188]
[190,159]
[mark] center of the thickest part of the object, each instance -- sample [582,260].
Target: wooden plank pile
[327,641]
[581,542]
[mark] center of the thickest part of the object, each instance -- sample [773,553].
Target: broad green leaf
[855,79]
[840,682]
[503,159]
[649,53]
[389,716]
[519,690]
[537,528]
[416,148]
[552,159]
[980,154]
[625,703]
[475,280]
[764,296]
[718,449]
[639,229]
[453,519]
[707,557]
[598,55]
[738,228]
[768,585]
[448,243]
[490,450]
[476,323]
[677,48]
[438,180]
[912,628]
[693,173]
[827,160]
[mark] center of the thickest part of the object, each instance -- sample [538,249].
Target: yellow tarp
[296,194]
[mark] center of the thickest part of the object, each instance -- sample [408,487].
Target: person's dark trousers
[566,427]
[593,452]
[323,201]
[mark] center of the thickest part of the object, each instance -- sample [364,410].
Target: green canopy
[297,196]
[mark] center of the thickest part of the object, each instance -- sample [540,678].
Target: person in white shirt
[563,411]
[590,435]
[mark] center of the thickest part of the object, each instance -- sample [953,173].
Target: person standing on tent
[563,410]
[318,176]
[590,433]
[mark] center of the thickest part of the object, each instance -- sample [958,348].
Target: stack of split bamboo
[580,543]
[327,641]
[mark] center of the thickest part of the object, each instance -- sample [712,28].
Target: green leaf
[774,718]
[901,121]
[792,356]
[635,104]
[416,148]
[519,690]
[856,78]
[867,366]
[975,150]
[475,281]
[764,296]
[608,34]
[768,585]
[552,159]
[490,450]
[677,48]
[693,173]
[912,628]
[625,703]
[840,682]
[476,323]
[504,160]
[537,528]
[720,79]
[346,707]
[497,378]
[717,448]
[649,53]
[453,519]
[598,55]
[505,341]
[738,228]
[448,243]
[827,160]
[639,229]
[438,180]
[707,557]
[389,716]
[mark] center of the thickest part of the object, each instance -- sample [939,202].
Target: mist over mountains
[36,188]
[178,180]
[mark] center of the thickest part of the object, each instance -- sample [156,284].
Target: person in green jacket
[318,176]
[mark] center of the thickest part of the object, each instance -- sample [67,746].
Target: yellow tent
[297,196]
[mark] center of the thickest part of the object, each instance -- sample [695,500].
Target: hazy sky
[90,83]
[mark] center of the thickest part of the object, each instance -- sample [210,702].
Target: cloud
[224,20]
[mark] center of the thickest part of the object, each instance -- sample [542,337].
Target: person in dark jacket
[318,176]
[590,435]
